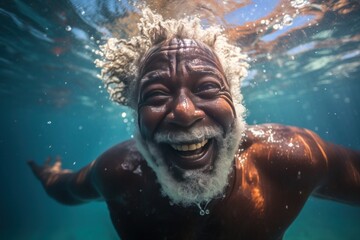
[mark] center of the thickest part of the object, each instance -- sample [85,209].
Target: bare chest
[155,217]
[255,207]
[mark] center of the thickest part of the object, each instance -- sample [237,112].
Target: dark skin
[276,170]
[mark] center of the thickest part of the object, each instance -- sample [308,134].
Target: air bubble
[287,20]
[276,26]
[202,212]
[299,3]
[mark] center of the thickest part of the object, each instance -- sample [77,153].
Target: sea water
[305,71]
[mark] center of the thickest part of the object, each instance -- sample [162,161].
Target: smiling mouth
[191,155]
[195,147]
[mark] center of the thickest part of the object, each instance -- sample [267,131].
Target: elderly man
[195,170]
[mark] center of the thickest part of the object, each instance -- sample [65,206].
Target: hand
[48,172]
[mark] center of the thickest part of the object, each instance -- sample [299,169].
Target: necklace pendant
[203,210]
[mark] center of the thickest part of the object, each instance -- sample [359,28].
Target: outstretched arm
[342,181]
[65,186]
[332,171]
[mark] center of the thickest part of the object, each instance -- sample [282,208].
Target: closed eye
[208,89]
[154,97]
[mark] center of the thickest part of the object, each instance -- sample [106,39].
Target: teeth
[191,147]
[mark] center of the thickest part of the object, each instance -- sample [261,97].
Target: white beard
[197,186]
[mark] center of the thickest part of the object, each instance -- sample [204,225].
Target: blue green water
[52,104]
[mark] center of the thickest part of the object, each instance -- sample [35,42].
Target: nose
[184,112]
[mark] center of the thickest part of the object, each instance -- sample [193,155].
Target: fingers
[57,166]
[36,169]
[58,161]
[47,168]
[47,161]
[32,164]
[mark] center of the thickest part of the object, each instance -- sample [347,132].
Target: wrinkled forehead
[170,53]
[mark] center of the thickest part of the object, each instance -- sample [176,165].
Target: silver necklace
[203,209]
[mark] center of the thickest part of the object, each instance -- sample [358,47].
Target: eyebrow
[153,77]
[203,70]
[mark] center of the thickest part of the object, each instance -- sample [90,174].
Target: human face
[182,89]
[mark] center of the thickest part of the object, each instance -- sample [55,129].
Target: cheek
[222,111]
[149,119]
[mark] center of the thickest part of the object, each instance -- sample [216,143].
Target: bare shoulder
[275,133]
[281,136]
[118,156]
[286,150]
[117,167]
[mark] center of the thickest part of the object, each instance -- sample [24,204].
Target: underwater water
[305,71]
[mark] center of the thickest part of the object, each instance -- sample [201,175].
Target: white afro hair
[121,58]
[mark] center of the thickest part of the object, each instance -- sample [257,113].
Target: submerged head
[184,102]
[184,83]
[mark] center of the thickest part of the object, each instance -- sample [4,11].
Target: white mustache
[192,135]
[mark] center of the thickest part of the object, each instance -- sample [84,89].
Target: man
[195,170]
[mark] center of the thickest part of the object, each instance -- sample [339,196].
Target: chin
[193,166]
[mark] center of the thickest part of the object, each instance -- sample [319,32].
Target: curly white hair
[121,58]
